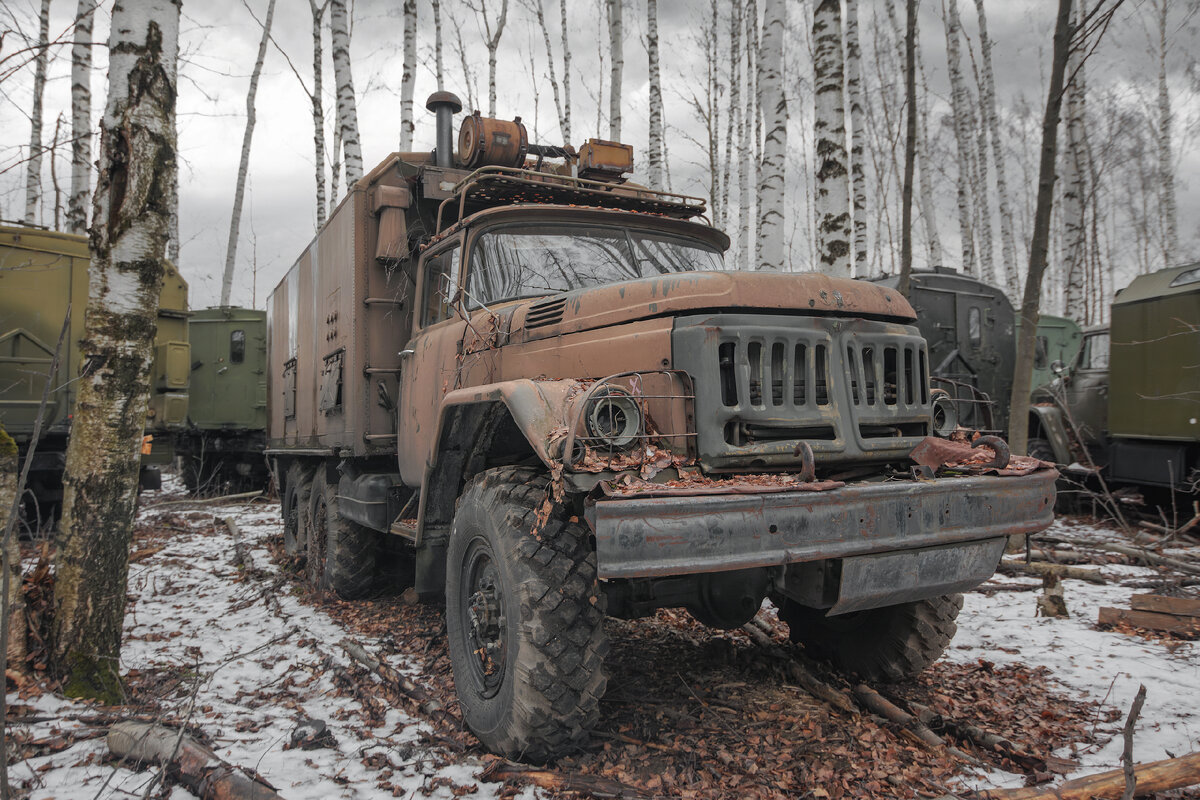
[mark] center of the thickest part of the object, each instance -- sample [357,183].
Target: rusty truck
[513,377]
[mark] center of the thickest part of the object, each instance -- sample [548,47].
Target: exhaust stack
[445,105]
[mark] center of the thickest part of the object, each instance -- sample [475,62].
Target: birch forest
[789,118]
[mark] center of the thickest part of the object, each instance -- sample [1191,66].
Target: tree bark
[858,176]
[772,189]
[409,76]
[929,212]
[1166,169]
[316,98]
[1073,193]
[491,40]
[960,103]
[979,188]
[832,195]
[754,113]
[987,89]
[1018,420]
[735,111]
[347,108]
[910,144]
[564,124]
[33,167]
[81,118]
[745,149]
[655,171]
[566,78]
[1157,776]
[439,64]
[616,50]
[128,237]
[239,192]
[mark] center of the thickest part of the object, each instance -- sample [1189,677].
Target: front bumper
[640,537]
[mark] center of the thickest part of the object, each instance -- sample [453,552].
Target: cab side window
[1041,353]
[441,276]
[237,347]
[975,327]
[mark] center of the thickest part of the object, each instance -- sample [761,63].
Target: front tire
[887,644]
[342,555]
[524,618]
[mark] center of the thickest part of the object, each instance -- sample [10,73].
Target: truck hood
[688,292]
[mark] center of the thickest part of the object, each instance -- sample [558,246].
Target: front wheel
[887,644]
[524,619]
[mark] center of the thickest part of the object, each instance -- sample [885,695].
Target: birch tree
[317,102]
[745,149]
[493,30]
[409,77]
[239,192]
[33,167]
[910,142]
[81,118]
[733,120]
[655,170]
[128,237]
[773,102]
[987,91]
[616,51]
[858,178]
[566,76]
[960,104]
[347,108]
[979,189]
[438,60]
[832,193]
[1074,240]
[1166,167]
[560,108]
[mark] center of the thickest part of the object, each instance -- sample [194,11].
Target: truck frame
[523,384]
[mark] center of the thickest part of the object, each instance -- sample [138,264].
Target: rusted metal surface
[987,454]
[643,537]
[484,141]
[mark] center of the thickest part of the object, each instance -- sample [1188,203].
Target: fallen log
[1149,619]
[800,673]
[202,501]
[1157,776]
[876,703]
[1179,606]
[186,760]
[1144,555]
[501,770]
[426,703]
[1041,569]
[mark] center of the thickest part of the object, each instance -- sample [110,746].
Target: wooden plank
[1150,619]
[1179,606]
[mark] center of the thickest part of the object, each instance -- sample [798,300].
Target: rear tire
[1041,450]
[887,644]
[297,495]
[524,618]
[342,555]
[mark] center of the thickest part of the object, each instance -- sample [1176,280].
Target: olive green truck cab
[530,389]
[42,274]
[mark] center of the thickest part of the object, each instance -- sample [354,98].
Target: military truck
[1126,403]
[527,383]
[1057,344]
[222,445]
[969,327]
[42,273]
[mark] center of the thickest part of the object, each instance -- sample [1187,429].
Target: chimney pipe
[445,105]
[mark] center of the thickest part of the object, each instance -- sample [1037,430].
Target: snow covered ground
[244,660]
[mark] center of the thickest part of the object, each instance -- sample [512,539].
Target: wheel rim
[484,618]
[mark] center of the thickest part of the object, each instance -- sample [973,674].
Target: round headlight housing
[945,414]
[613,417]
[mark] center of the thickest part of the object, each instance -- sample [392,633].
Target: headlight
[945,414]
[613,417]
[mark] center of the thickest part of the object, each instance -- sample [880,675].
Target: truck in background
[41,274]
[221,447]
[528,384]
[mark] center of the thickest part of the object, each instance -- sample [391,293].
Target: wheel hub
[485,615]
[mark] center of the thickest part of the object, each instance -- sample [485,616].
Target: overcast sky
[220,37]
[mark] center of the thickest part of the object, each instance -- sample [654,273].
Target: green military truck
[41,274]
[1057,344]
[222,445]
[1126,402]
[527,384]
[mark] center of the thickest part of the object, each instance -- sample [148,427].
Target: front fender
[1049,420]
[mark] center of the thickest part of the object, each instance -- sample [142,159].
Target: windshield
[534,260]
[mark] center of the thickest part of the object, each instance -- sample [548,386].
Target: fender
[1049,420]
[475,426]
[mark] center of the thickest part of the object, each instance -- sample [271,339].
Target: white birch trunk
[960,104]
[616,50]
[566,80]
[773,185]
[33,167]
[655,171]
[979,191]
[1166,169]
[1008,247]
[735,111]
[81,118]
[754,100]
[318,107]
[858,175]
[439,63]
[926,173]
[832,194]
[239,193]
[408,77]
[745,149]
[492,41]
[1074,188]
[564,124]
[129,234]
[347,108]
[335,170]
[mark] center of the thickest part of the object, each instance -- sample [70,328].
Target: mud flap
[886,579]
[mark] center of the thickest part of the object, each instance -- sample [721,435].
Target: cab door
[430,360]
[1086,388]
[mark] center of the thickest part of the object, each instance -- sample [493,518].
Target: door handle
[405,353]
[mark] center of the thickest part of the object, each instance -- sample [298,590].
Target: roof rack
[495,186]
